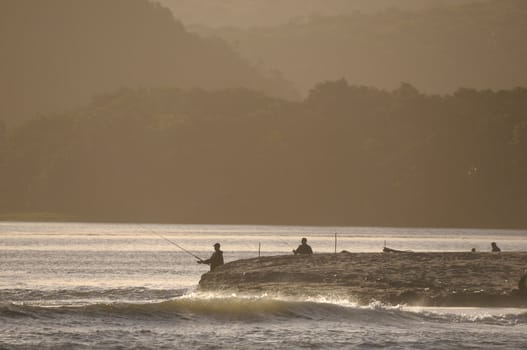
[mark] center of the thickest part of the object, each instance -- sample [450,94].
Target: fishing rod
[174,243]
[286,243]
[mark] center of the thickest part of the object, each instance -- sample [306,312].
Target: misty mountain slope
[56,54]
[256,13]
[480,45]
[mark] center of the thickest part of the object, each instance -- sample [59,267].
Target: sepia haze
[57,54]
[117,110]
[436,47]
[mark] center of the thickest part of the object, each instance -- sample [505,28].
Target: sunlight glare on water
[77,285]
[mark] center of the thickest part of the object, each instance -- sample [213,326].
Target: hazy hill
[251,13]
[56,54]
[438,49]
[347,155]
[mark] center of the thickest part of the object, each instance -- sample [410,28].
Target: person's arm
[208,261]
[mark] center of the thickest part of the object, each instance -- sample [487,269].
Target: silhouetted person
[522,284]
[215,260]
[495,247]
[303,248]
[390,250]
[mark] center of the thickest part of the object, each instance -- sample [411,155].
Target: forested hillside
[346,155]
[56,54]
[438,49]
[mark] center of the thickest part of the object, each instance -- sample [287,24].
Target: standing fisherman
[522,284]
[215,260]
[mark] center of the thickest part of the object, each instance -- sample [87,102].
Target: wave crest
[257,309]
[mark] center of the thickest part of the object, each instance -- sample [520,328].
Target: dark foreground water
[97,286]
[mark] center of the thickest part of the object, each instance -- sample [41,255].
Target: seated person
[495,248]
[303,248]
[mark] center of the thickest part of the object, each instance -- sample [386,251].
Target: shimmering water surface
[122,286]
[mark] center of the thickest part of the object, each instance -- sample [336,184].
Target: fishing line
[172,242]
[285,242]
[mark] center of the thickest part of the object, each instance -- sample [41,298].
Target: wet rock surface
[427,279]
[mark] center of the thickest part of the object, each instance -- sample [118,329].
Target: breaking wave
[254,309]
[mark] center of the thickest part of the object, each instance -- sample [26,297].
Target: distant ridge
[56,54]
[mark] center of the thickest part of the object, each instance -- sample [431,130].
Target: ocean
[122,286]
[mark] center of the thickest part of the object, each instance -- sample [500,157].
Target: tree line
[345,155]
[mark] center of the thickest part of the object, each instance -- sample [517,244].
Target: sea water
[123,286]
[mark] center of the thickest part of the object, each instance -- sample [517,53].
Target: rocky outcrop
[427,279]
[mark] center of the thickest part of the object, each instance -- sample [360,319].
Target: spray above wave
[258,309]
[88,295]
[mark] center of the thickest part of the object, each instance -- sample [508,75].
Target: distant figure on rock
[495,247]
[215,260]
[303,248]
[522,284]
[390,250]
